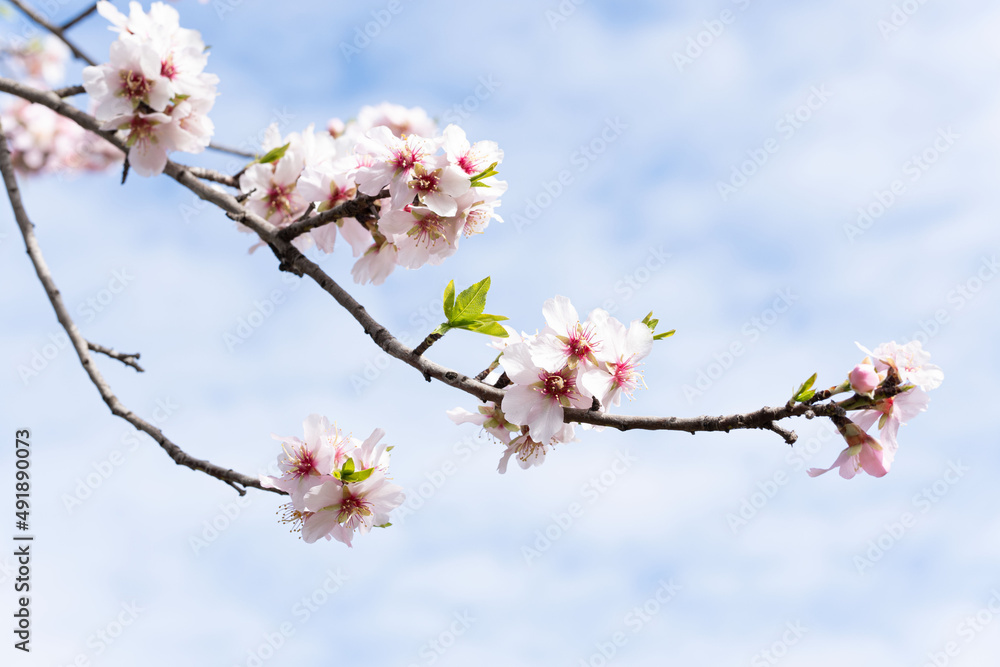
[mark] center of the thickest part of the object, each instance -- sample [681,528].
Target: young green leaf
[274,154]
[490,329]
[471,301]
[358,476]
[449,299]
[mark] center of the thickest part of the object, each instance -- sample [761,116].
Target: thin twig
[234,479]
[426,343]
[55,30]
[79,17]
[127,359]
[212,175]
[232,151]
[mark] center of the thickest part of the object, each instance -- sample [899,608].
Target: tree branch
[291,260]
[232,151]
[348,209]
[79,17]
[55,30]
[236,480]
[212,175]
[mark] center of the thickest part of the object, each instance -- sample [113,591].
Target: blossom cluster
[439,185]
[337,484]
[568,364]
[896,378]
[153,90]
[42,141]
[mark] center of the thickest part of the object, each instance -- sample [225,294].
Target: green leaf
[348,467]
[471,301]
[449,299]
[490,329]
[666,334]
[274,154]
[383,525]
[485,317]
[804,392]
[359,476]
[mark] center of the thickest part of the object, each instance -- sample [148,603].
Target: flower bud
[864,379]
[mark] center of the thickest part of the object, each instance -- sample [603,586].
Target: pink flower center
[625,374]
[557,385]
[279,199]
[580,343]
[337,195]
[167,67]
[427,230]
[300,462]
[425,181]
[468,165]
[353,507]
[404,159]
[134,86]
[141,130]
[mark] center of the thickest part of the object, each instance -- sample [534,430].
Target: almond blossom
[153,88]
[490,417]
[909,361]
[539,394]
[528,452]
[336,510]
[617,371]
[863,452]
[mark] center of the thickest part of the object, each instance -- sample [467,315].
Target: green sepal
[476,180]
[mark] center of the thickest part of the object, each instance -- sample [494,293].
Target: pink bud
[864,379]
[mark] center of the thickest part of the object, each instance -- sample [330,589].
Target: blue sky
[722,542]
